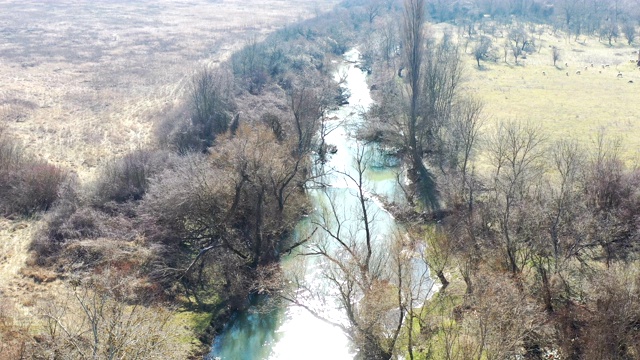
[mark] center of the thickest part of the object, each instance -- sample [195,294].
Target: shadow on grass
[426,188]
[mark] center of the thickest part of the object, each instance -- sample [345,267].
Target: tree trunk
[372,350]
[443,280]
[546,289]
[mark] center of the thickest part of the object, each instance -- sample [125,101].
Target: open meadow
[83,81]
[578,98]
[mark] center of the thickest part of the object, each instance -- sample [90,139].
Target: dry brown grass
[83,82]
[13,248]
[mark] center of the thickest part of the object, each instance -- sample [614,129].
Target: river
[291,332]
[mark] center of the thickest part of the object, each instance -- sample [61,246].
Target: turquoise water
[291,332]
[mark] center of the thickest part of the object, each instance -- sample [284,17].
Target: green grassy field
[563,103]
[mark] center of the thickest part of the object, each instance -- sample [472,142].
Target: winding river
[291,332]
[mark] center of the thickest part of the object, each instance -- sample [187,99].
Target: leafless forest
[155,158]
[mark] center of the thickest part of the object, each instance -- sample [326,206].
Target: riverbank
[93,240]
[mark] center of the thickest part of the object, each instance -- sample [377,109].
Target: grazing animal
[544,73]
[585,68]
[619,74]
[603,66]
[591,64]
[599,71]
[566,64]
[567,73]
[578,72]
[606,65]
[630,81]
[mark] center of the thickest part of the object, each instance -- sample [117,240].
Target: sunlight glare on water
[294,333]
[310,338]
[302,332]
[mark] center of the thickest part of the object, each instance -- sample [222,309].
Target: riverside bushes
[127,178]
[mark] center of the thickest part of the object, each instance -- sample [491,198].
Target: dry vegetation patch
[15,237]
[83,83]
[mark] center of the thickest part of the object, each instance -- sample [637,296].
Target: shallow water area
[293,332]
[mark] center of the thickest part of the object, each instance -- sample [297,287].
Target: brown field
[83,81]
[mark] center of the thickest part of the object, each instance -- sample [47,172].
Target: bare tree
[481,49]
[629,30]
[463,138]
[96,322]
[607,193]
[506,46]
[389,39]
[306,111]
[557,207]
[224,216]
[555,55]
[516,51]
[573,14]
[504,319]
[414,42]
[610,31]
[516,153]
[411,265]
[519,37]
[440,93]
[367,282]
[373,9]
[439,252]
[211,104]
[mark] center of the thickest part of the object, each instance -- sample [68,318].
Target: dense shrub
[37,187]
[206,113]
[27,185]
[176,133]
[127,178]
[95,213]
[28,188]
[47,241]
[612,326]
